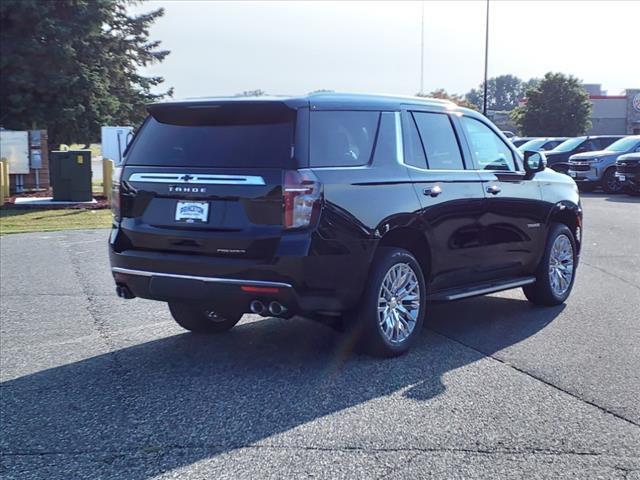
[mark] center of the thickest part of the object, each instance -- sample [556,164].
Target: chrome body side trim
[199,178]
[228,281]
[491,289]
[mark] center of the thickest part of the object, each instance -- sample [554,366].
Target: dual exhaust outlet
[274,308]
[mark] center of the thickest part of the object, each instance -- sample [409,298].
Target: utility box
[71,175]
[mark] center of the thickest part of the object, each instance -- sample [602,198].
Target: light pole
[486,63]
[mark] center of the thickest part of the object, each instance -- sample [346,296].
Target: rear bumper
[303,283]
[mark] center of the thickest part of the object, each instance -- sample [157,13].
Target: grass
[22,221]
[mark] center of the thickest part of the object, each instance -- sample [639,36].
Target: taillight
[115,193]
[302,198]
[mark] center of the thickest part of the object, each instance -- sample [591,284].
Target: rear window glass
[342,138]
[439,140]
[234,145]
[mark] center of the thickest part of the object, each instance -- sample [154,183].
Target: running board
[460,293]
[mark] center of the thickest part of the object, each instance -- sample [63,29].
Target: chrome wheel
[399,303]
[561,265]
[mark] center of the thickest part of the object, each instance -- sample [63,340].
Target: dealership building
[614,114]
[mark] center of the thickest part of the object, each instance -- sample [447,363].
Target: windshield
[533,145]
[569,145]
[624,144]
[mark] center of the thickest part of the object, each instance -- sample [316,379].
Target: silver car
[593,169]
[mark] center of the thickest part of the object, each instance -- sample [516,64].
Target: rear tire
[553,286]
[393,305]
[610,183]
[201,320]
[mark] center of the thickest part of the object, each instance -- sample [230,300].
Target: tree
[71,66]
[557,106]
[251,93]
[442,94]
[503,93]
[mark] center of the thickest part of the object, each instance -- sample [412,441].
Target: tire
[391,333]
[545,291]
[200,320]
[610,184]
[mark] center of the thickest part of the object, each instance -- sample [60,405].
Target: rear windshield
[219,145]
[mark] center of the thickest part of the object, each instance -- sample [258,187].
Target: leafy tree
[442,94]
[251,93]
[322,90]
[557,106]
[503,93]
[71,66]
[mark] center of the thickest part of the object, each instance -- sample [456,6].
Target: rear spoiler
[224,112]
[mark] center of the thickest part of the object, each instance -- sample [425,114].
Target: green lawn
[21,221]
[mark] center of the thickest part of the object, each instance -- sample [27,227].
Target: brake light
[115,193]
[302,198]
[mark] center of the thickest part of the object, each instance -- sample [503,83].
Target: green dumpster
[71,175]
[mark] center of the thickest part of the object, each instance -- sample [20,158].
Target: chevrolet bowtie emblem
[186,178]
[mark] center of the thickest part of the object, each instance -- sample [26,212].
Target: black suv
[356,210]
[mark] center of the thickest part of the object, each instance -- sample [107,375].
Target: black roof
[326,101]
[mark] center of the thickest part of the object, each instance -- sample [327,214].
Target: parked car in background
[592,169]
[628,172]
[508,133]
[517,141]
[363,208]
[558,158]
[540,144]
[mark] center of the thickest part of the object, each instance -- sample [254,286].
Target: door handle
[493,189]
[433,191]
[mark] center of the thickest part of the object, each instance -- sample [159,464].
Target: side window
[414,153]
[439,140]
[594,145]
[342,138]
[603,143]
[488,150]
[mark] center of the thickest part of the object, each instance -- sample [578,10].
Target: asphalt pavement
[98,387]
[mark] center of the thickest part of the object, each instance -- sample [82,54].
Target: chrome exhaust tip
[277,309]
[257,307]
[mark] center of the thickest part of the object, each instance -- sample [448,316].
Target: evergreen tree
[71,66]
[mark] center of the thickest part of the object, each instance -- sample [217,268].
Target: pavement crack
[119,371]
[539,379]
[600,269]
[222,448]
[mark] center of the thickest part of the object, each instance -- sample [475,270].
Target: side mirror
[534,162]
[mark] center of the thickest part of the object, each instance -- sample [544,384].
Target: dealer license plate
[192,212]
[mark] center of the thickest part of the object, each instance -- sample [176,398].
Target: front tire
[556,272]
[610,183]
[393,305]
[199,319]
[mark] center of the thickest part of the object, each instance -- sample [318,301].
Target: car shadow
[616,198]
[203,396]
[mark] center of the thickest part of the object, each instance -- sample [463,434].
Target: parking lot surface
[98,387]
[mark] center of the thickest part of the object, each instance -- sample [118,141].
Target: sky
[223,48]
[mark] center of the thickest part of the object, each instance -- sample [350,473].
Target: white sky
[222,48]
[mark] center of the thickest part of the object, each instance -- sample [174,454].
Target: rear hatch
[207,178]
